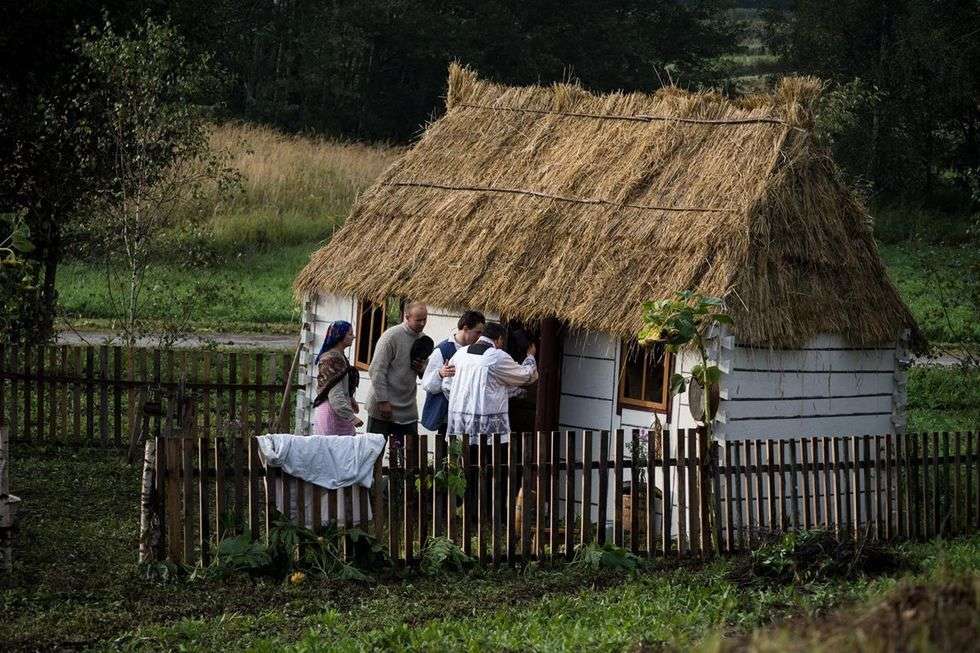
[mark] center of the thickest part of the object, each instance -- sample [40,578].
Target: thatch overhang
[551,201]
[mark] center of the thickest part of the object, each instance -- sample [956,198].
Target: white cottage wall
[826,387]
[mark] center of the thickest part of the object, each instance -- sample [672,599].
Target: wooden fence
[673,498]
[101,395]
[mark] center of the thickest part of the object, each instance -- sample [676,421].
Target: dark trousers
[396,434]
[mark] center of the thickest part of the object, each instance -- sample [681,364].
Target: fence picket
[667,499]
[541,483]
[425,483]
[937,490]
[586,532]
[498,500]
[736,475]
[527,453]
[569,494]
[651,496]
[957,491]
[554,450]
[465,529]
[408,530]
[603,489]
[52,372]
[39,386]
[482,507]
[219,487]
[104,395]
[28,392]
[681,475]
[618,489]
[634,523]
[204,501]
[16,432]
[512,487]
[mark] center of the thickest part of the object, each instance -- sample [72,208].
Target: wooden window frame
[639,404]
[359,327]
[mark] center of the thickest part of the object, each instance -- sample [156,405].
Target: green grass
[936,283]
[258,290]
[943,399]
[75,585]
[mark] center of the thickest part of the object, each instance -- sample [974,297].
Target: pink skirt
[326,422]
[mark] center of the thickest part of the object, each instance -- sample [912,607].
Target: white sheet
[330,461]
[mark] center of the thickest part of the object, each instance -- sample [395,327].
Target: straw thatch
[551,201]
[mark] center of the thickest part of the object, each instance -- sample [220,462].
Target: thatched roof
[551,201]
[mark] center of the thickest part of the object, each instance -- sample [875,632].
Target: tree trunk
[149,519]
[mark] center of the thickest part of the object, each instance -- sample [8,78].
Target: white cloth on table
[479,390]
[330,461]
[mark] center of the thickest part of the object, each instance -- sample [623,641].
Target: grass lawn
[259,293]
[76,586]
[931,276]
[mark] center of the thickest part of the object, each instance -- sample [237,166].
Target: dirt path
[237,340]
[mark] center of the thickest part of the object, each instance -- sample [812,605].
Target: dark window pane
[633,373]
[655,375]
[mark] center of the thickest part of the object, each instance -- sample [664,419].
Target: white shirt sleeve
[431,381]
[507,371]
[447,383]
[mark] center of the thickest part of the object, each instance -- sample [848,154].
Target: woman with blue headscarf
[334,406]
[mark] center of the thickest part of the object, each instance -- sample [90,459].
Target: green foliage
[902,108]
[606,556]
[441,555]
[941,286]
[158,142]
[815,555]
[374,70]
[681,321]
[240,553]
[449,476]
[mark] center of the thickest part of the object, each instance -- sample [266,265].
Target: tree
[49,165]
[146,84]
[376,69]
[908,73]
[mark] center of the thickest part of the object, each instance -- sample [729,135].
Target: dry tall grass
[294,188]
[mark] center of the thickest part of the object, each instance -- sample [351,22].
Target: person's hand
[532,350]
[419,367]
[354,406]
[384,407]
[358,422]
[447,371]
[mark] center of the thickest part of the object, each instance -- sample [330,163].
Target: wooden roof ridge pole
[560,198]
[636,117]
[549,376]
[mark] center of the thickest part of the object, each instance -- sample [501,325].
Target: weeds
[817,555]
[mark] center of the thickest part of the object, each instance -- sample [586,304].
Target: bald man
[392,404]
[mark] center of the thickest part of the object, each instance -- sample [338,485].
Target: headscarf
[335,333]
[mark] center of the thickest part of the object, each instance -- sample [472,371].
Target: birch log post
[7,505]
[149,519]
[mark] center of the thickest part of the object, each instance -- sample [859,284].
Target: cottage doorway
[520,335]
[537,410]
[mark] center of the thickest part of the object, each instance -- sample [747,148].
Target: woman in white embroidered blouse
[486,376]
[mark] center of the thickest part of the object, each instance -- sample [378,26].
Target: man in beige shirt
[392,404]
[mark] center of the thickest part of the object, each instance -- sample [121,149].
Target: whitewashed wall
[826,388]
